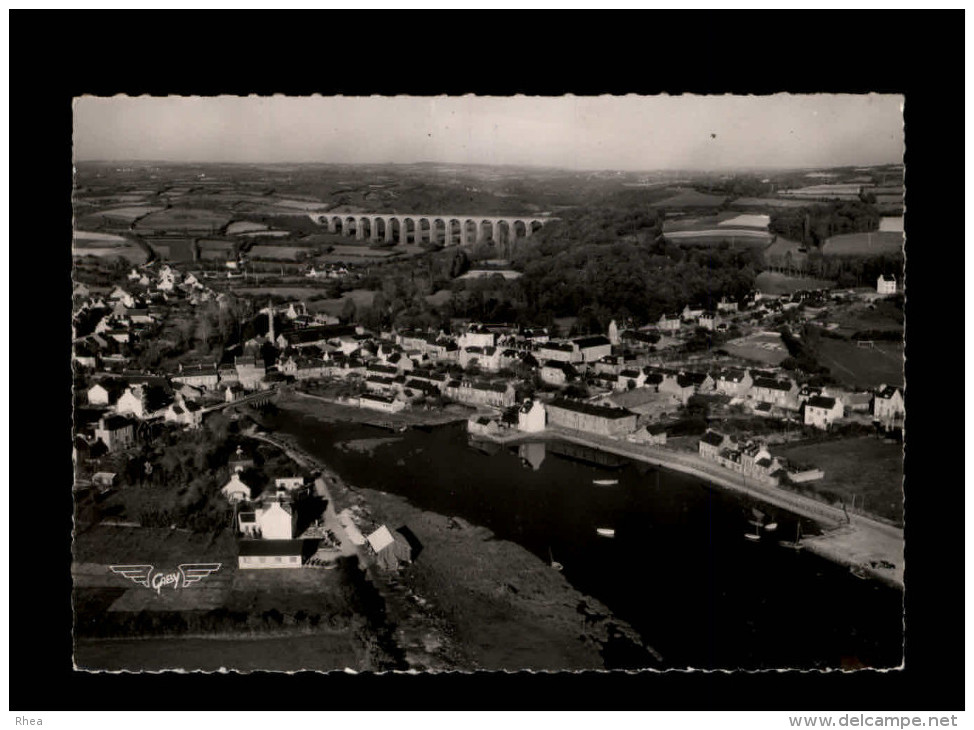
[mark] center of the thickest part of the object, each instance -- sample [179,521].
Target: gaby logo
[186,575]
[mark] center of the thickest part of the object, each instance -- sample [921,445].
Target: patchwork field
[880,242]
[172,249]
[82,238]
[184,219]
[767,203]
[689,198]
[244,227]
[130,252]
[128,213]
[279,253]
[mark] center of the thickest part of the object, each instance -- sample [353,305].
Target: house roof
[712,438]
[381,539]
[591,409]
[559,365]
[594,341]
[773,384]
[888,392]
[558,347]
[116,423]
[821,401]
[270,547]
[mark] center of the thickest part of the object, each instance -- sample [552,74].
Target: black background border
[56,55]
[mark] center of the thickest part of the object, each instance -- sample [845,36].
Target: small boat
[555,565]
[771,527]
[757,528]
[606,531]
[797,544]
[605,482]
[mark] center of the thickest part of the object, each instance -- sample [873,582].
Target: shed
[390,548]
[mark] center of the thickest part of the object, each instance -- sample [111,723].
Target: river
[679,568]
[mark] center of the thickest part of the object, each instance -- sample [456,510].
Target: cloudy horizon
[629,133]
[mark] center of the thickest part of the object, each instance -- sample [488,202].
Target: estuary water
[678,569]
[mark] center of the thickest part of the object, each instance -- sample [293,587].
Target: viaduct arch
[449,228]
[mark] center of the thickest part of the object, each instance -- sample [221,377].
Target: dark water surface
[679,569]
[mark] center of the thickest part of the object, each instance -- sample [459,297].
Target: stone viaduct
[448,229]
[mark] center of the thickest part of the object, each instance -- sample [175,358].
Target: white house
[822,412]
[132,401]
[614,333]
[886,284]
[276,520]
[270,553]
[888,404]
[554,372]
[235,490]
[289,483]
[186,413]
[531,416]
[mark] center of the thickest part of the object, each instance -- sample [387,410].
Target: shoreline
[561,628]
[852,540]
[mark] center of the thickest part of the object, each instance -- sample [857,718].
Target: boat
[605,482]
[606,531]
[771,527]
[756,535]
[555,565]
[796,545]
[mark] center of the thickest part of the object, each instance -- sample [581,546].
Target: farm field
[279,253]
[689,198]
[287,292]
[766,202]
[762,347]
[880,242]
[865,466]
[184,219]
[81,237]
[130,252]
[128,213]
[881,315]
[890,199]
[862,367]
[172,249]
[745,236]
[271,234]
[244,227]
[728,218]
[772,282]
[892,223]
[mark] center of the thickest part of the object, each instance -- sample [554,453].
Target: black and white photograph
[488,383]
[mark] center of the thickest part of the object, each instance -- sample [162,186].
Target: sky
[580,133]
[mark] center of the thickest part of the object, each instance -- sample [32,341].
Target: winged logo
[136,573]
[188,574]
[195,572]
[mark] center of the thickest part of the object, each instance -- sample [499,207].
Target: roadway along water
[679,568]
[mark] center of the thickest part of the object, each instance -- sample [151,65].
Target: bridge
[446,228]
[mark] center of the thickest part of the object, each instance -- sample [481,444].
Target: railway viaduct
[448,229]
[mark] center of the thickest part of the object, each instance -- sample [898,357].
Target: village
[649,389]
